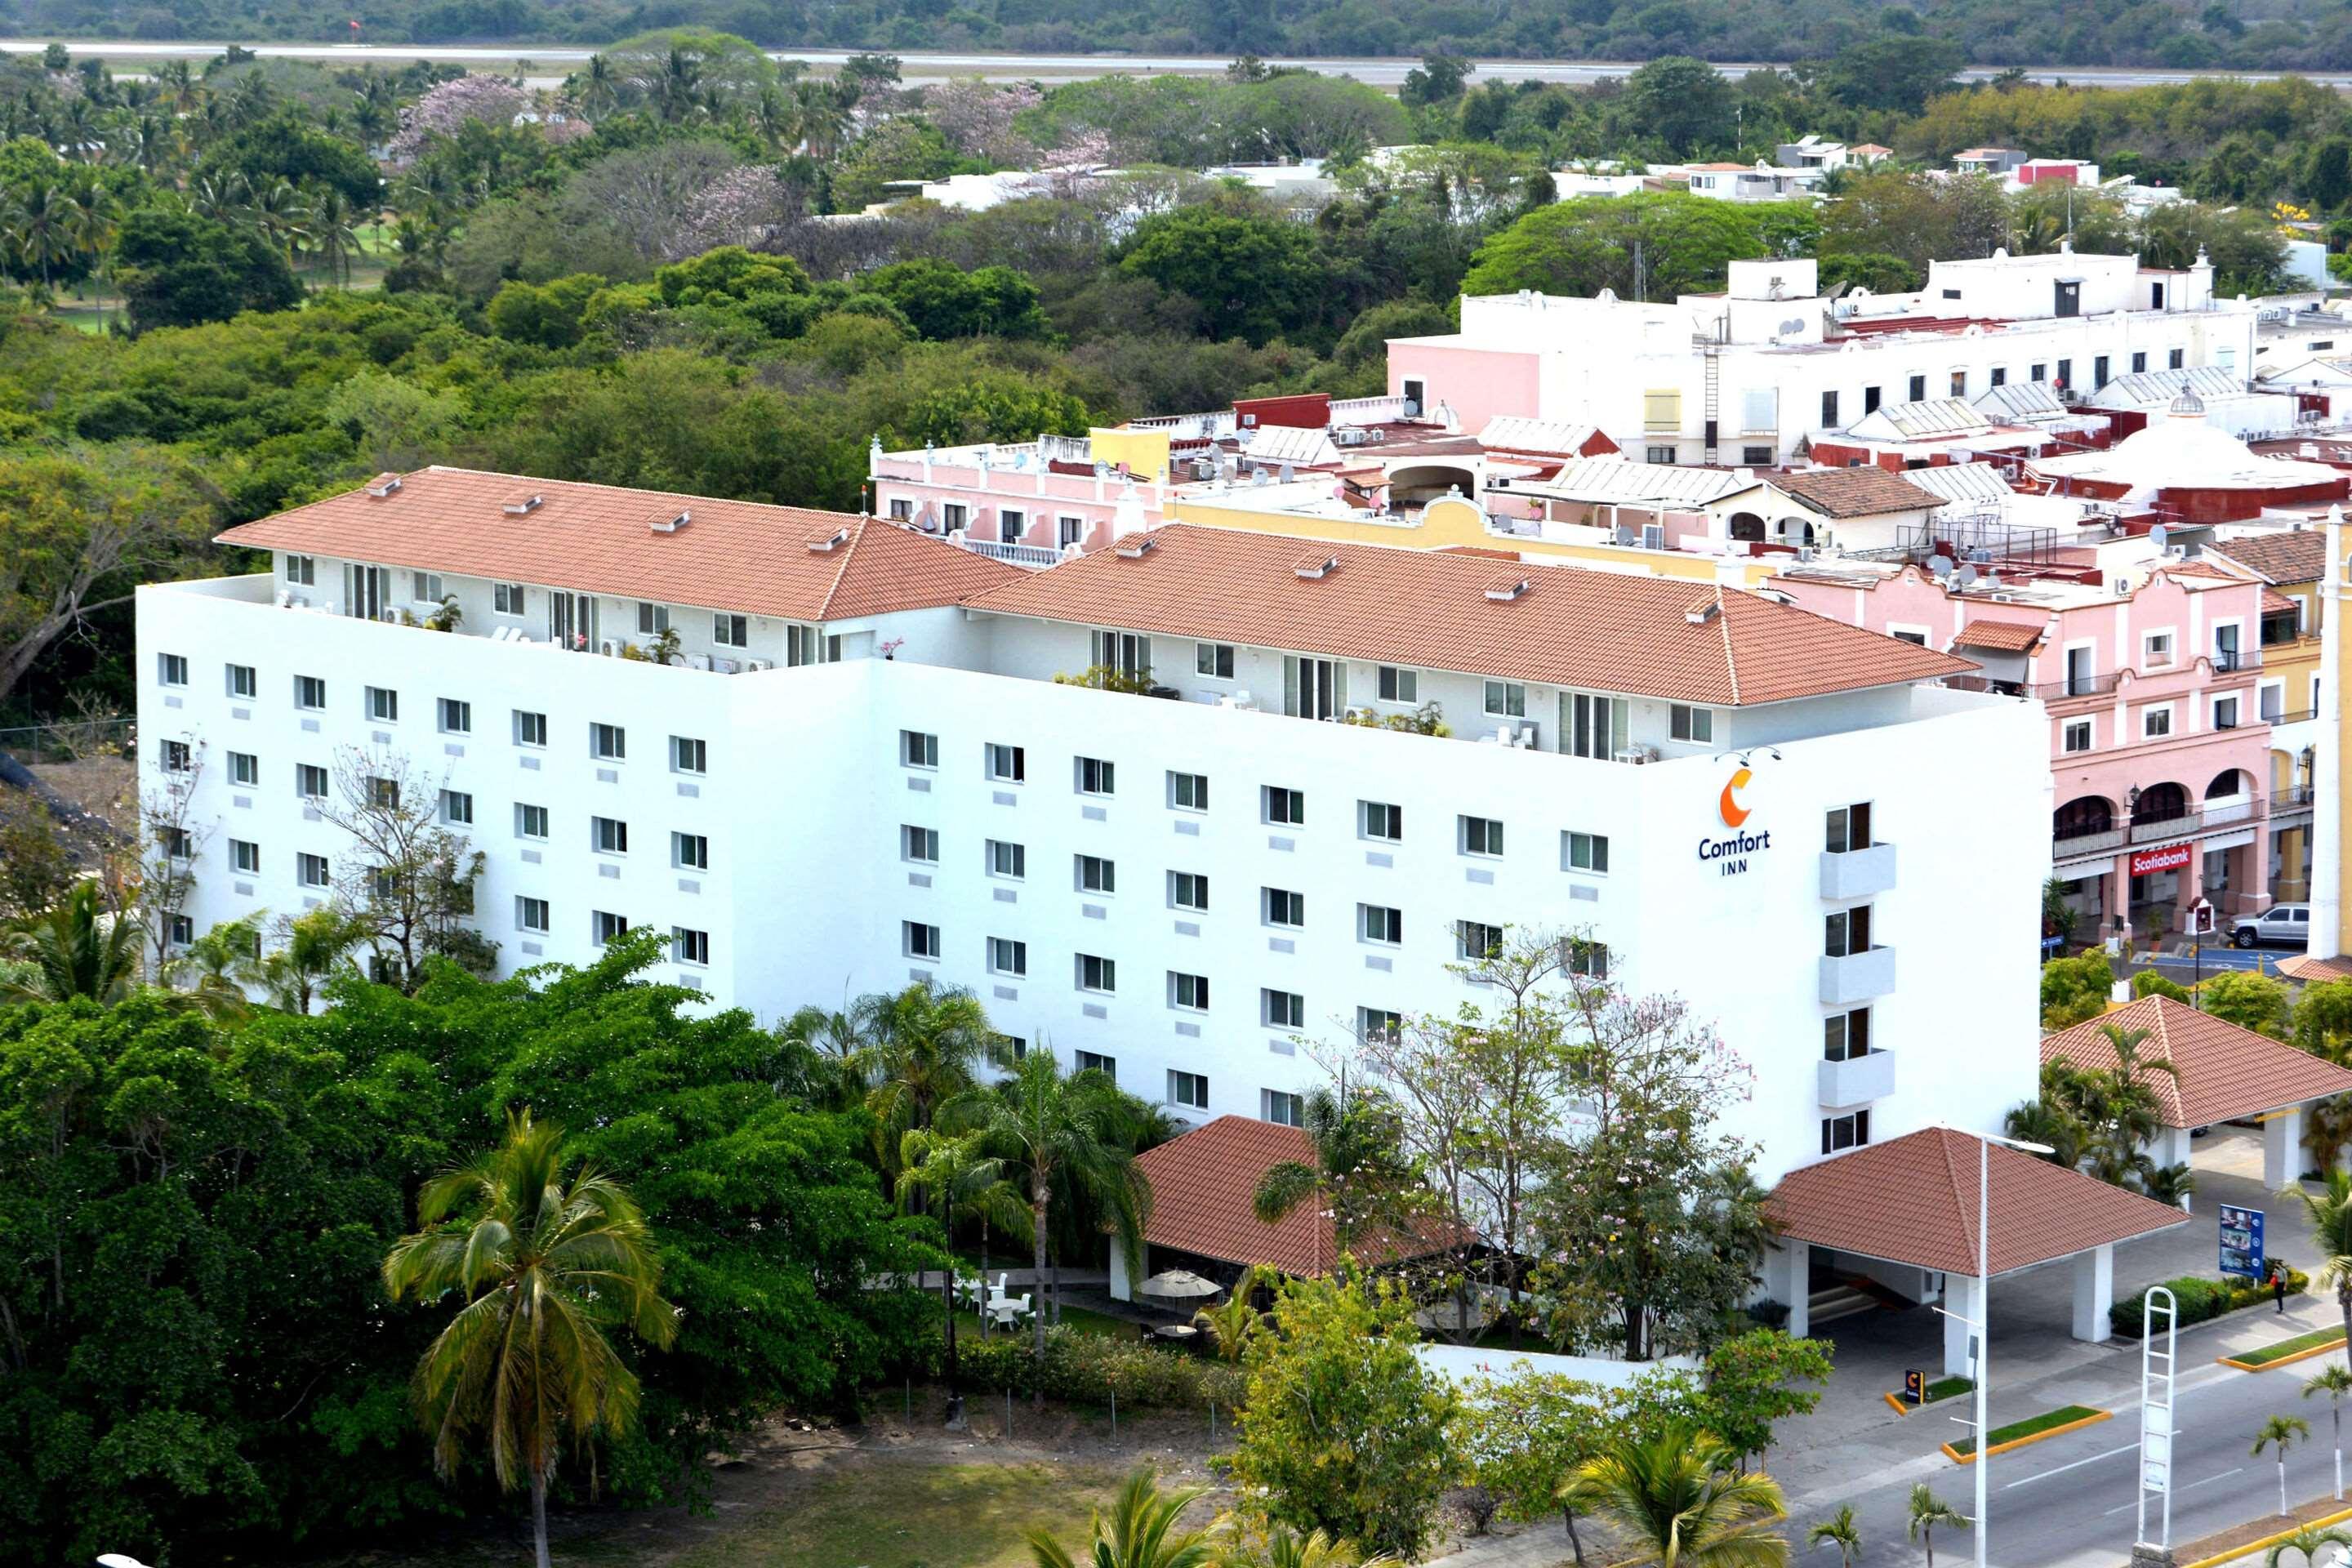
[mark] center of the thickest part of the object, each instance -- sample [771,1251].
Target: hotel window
[1189,891]
[1381,820]
[1213,659]
[1685,722]
[243,681]
[2040,372]
[610,834]
[530,729]
[1098,974]
[1476,940]
[1187,792]
[953,515]
[2155,723]
[1848,828]
[608,742]
[1007,764]
[2225,712]
[1377,1024]
[1999,376]
[456,717]
[1189,1090]
[1285,807]
[804,646]
[458,807]
[178,756]
[1068,530]
[1918,389]
[1397,684]
[688,946]
[1190,991]
[730,631]
[1587,958]
[310,781]
[603,925]
[244,855]
[530,821]
[1481,836]
[1959,383]
[917,750]
[691,851]
[1755,456]
[244,768]
[1006,956]
[1848,1131]
[506,598]
[382,705]
[1096,776]
[902,509]
[1828,410]
[1378,923]
[920,941]
[2139,364]
[1870,400]
[1283,1107]
[1507,699]
[1285,908]
[2078,735]
[689,755]
[2159,650]
[172,669]
[178,844]
[1010,861]
[310,870]
[1593,726]
[2065,373]
[182,931]
[530,914]
[426,587]
[918,843]
[1095,1061]
[1096,875]
[652,620]
[2099,377]
[1845,1036]
[1124,652]
[1845,932]
[1282,1009]
[310,692]
[383,793]
[302,569]
[1584,852]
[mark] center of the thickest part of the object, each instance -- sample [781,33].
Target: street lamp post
[1985,1141]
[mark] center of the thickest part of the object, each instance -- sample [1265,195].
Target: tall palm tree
[1839,1531]
[1927,1513]
[2329,1213]
[542,1261]
[967,1184]
[1060,1130]
[334,235]
[77,949]
[597,88]
[1139,1532]
[42,225]
[929,1045]
[2281,1433]
[821,116]
[1680,1498]
[2334,1381]
[282,215]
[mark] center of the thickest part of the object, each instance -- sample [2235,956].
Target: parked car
[2281,925]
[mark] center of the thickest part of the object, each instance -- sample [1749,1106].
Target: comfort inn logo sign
[1729,854]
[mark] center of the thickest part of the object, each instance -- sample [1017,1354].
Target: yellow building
[2290,563]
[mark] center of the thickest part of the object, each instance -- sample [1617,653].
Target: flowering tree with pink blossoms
[739,208]
[445,109]
[976,117]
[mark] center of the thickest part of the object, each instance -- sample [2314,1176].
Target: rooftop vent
[1315,566]
[518,505]
[1705,610]
[825,538]
[1507,589]
[382,485]
[672,524]
[1135,547]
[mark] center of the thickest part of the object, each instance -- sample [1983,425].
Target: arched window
[2161,803]
[2081,818]
[2226,783]
[1747,525]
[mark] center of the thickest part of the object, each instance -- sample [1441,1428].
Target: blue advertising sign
[2242,1241]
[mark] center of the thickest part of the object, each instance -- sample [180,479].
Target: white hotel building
[890,786]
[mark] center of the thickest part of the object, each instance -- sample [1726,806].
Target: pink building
[2148,671]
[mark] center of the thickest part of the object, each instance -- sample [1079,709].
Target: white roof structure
[1933,418]
[2184,452]
[2021,402]
[1289,444]
[2157,388]
[1548,437]
[1967,485]
[1614,479]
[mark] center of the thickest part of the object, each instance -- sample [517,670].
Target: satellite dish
[2160,536]
[1939,566]
[1968,577]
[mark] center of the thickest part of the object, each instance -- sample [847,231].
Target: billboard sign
[2242,1241]
[2160,857]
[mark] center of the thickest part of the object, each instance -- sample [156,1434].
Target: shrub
[2200,1299]
[1087,1369]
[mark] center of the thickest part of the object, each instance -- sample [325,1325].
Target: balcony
[1858,873]
[2073,686]
[1035,557]
[1857,976]
[1857,1080]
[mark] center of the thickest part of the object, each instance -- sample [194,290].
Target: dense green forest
[2274,35]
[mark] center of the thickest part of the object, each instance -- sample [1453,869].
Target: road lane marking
[2045,1475]
[2191,1487]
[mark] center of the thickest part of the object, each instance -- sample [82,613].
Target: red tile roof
[598,538]
[1864,492]
[2220,1071]
[1601,631]
[2314,971]
[2291,555]
[1998,637]
[2277,604]
[1913,1200]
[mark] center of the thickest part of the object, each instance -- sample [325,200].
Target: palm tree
[1929,1511]
[1681,1499]
[1232,1324]
[1839,1531]
[316,945]
[1061,1131]
[1139,1532]
[2281,1433]
[969,1184]
[597,88]
[2311,1543]
[1356,1168]
[542,1264]
[219,965]
[43,226]
[821,116]
[2329,1214]
[281,215]
[1286,1548]
[77,949]
[334,235]
[2334,1381]
[928,1045]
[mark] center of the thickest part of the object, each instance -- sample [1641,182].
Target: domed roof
[2188,406]
[2187,453]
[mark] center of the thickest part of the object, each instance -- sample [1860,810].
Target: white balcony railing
[1857,976]
[1858,873]
[1857,1080]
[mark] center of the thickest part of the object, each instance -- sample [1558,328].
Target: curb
[1895,1403]
[2330,1348]
[2093,1419]
[2267,1542]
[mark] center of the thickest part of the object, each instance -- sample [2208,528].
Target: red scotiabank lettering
[2164,857]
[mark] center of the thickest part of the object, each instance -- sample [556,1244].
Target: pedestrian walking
[2278,1287]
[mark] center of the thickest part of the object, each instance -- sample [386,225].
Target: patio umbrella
[1177,1282]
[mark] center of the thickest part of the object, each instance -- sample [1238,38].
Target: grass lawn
[2285,1348]
[1945,1387]
[918,1516]
[2016,1429]
[1077,1320]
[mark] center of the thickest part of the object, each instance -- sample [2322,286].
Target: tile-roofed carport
[1998,637]
[2306,970]
[2290,555]
[2221,1072]
[792,562]
[1559,625]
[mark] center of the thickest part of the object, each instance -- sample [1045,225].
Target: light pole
[1985,1141]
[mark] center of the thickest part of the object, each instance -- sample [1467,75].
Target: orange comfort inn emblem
[1733,814]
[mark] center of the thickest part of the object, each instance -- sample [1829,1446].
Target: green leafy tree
[2074,990]
[81,948]
[1253,276]
[1891,74]
[543,1261]
[1438,79]
[1680,1498]
[2250,1001]
[1684,102]
[1652,244]
[1755,1379]
[1343,1429]
[176,269]
[1139,1530]
[2309,1544]
[1359,1173]
[1524,1437]
[1926,1513]
[945,301]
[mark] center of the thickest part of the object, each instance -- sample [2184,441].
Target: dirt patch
[2226,1542]
[106,787]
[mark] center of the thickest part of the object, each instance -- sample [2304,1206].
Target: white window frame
[1383,924]
[1284,908]
[1902,631]
[244,768]
[1179,1081]
[1181,981]
[447,708]
[689,947]
[2236,702]
[1387,813]
[1007,763]
[1003,851]
[1283,1107]
[243,681]
[609,834]
[1096,776]
[691,851]
[689,754]
[1194,882]
[2155,722]
[1596,852]
[383,705]
[171,669]
[608,742]
[1096,874]
[2169,638]
[920,939]
[525,908]
[1180,783]
[1215,660]
[1695,723]
[1294,801]
[917,843]
[1505,699]
[1398,684]
[1479,837]
[244,856]
[530,729]
[507,599]
[1097,975]
[523,821]
[730,630]
[458,807]
[919,749]
[1008,956]
[1280,1009]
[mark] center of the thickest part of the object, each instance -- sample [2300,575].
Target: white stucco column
[1963,1298]
[2282,1148]
[2094,1292]
[1122,1277]
[2172,1146]
[1787,1277]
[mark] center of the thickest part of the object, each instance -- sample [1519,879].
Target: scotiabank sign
[2163,857]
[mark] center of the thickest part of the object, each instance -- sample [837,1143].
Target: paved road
[931,67]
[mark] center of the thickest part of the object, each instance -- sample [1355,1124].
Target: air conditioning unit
[1805,552]
[389,618]
[609,648]
[1359,714]
[759,664]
